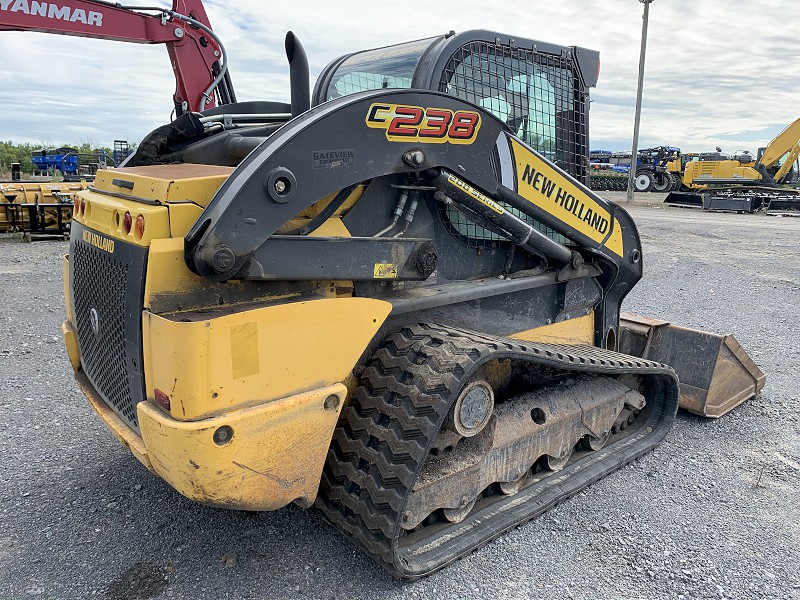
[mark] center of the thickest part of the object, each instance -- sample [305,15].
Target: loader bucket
[788,206]
[685,199]
[715,372]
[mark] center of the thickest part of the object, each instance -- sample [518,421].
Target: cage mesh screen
[537,95]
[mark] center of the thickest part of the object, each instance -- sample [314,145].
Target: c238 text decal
[404,123]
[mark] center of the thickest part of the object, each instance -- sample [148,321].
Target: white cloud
[718,73]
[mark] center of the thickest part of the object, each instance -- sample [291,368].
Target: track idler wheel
[472,409]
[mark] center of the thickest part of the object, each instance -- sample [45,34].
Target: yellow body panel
[178,194]
[166,183]
[275,455]
[70,310]
[716,169]
[545,187]
[206,362]
[167,272]
[71,343]
[182,217]
[333,227]
[106,215]
[571,331]
[116,425]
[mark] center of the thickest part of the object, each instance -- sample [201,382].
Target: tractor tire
[664,182]
[643,182]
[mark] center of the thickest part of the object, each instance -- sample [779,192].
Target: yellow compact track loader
[398,302]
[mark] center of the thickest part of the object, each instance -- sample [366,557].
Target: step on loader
[397,301]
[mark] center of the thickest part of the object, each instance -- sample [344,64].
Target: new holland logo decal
[404,123]
[98,241]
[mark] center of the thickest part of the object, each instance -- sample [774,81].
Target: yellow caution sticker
[482,198]
[385,271]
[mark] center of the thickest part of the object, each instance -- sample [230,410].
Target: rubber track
[386,430]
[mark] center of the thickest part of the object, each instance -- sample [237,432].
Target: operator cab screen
[391,67]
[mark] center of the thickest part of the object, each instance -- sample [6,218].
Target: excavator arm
[201,77]
[785,143]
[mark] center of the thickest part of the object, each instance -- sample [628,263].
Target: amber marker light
[139,227]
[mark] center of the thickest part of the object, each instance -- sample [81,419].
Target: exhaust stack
[298,75]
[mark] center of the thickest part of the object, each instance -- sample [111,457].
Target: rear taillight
[139,227]
[161,399]
[127,222]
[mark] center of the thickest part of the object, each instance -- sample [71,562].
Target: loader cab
[539,90]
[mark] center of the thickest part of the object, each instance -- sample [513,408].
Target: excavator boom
[201,79]
[784,143]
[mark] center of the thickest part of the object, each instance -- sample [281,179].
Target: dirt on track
[711,513]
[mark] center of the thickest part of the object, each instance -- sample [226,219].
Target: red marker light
[127,222]
[161,399]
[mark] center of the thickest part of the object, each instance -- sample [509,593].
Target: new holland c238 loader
[398,302]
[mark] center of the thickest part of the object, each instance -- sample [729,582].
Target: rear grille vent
[110,343]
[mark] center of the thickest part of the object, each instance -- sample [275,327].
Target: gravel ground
[711,513]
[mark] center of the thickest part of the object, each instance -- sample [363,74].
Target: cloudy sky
[718,73]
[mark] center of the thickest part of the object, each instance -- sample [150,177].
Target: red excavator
[197,56]
[198,59]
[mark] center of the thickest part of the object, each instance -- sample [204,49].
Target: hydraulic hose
[194,22]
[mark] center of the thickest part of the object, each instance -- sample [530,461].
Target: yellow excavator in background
[742,183]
